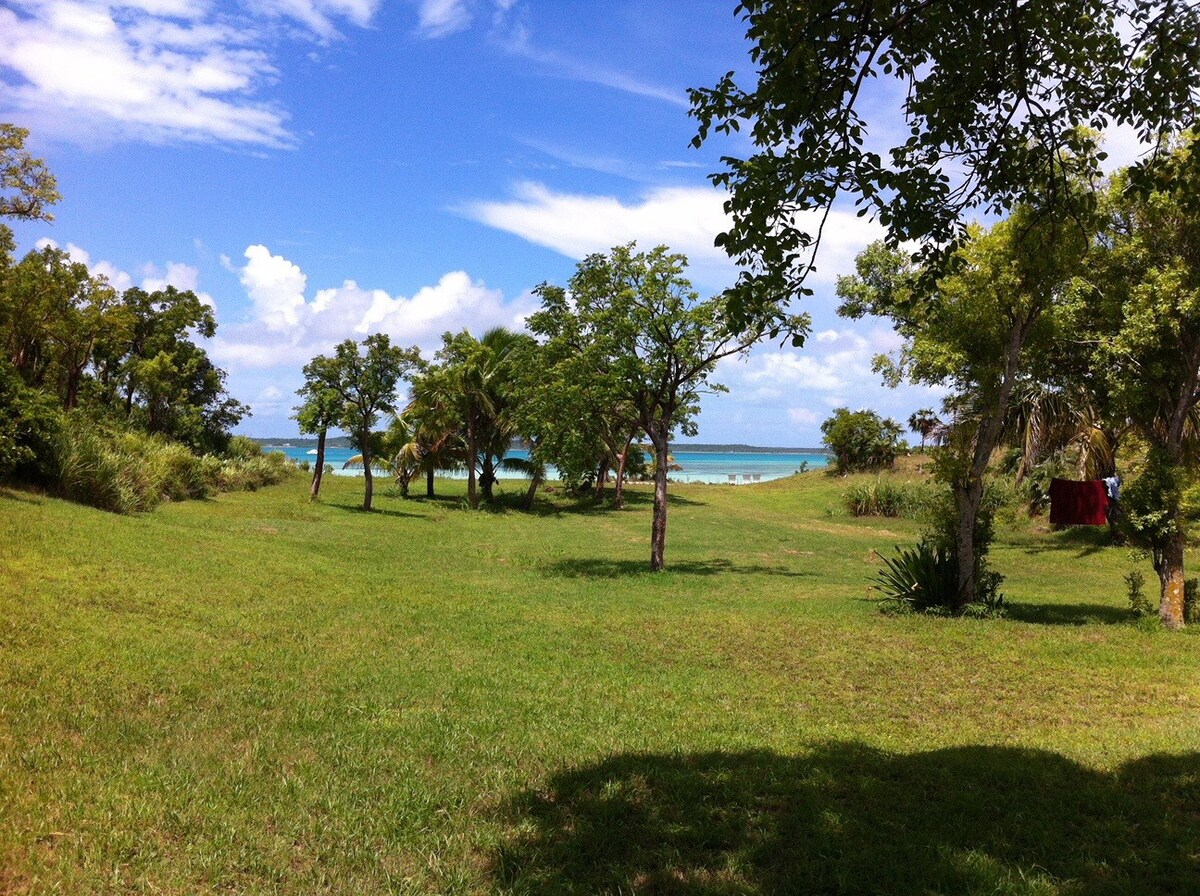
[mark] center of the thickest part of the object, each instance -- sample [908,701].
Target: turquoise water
[696,466]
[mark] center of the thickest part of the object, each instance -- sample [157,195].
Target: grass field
[253,694]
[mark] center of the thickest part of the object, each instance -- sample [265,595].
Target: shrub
[1139,601]
[861,440]
[131,472]
[243,448]
[884,498]
[922,579]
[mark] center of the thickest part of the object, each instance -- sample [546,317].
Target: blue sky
[321,169]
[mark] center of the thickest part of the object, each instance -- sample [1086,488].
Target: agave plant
[920,578]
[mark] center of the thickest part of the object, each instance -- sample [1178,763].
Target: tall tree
[974,331]
[924,422]
[365,380]
[583,420]
[648,337]
[471,386]
[152,372]
[990,101]
[1139,323]
[322,409]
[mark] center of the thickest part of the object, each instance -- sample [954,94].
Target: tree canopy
[927,112]
[631,323]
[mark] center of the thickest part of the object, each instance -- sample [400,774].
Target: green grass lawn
[254,694]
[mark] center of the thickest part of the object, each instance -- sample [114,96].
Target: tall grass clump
[252,473]
[132,472]
[882,497]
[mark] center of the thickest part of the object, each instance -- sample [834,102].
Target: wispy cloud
[592,72]
[155,70]
[686,219]
[440,18]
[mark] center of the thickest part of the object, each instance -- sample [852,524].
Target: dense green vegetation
[260,694]
[106,398]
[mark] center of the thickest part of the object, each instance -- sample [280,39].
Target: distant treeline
[298,442]
[704,447]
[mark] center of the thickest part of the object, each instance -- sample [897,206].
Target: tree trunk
[619,486]
[488,479]
[429,483]
[370,480]
[968,497]
[658,527]
[472,461]
[320,470]
[601,478]
[534,483]
[1169,566]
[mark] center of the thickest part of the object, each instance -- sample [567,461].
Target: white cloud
[157,70]
[686,219]
[288,329]
[440,18]
[182,276]
[275,286]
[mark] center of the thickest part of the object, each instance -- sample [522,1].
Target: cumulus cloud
[158,70]
[785,393]
[174,273]
[287,328]
[686,219]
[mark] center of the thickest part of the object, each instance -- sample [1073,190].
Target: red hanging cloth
[1078,503]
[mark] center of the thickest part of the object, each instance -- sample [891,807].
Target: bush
[861,440]
[919,579]
[1139,601]
[884,498]
[132,472]
[243,448]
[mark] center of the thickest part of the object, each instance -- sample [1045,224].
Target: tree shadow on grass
[607,568]
[1083,540]
[1068,614]
[852,819]
[376,510]
[21,497]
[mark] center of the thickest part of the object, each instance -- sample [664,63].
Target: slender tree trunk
[1169,566]
[320,470]
[968,497]
[370,480]
[488,479]
[968,491]
[619,487]
[601,478]
[534,484]
[472,461]
[658,527]
[429,483]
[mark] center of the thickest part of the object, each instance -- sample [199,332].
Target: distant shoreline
[688,447]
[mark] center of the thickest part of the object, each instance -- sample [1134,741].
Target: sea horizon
[697,462]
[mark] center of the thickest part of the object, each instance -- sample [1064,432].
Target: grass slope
[258,695]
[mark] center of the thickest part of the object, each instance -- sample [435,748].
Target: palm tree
[924,422]
[472,387]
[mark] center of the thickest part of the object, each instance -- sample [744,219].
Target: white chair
[758,477]
[733,478]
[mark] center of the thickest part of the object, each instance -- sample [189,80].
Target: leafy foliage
[880,497]
[920,578]
[636,338]
[27,184]
[861,440]
[992,98]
